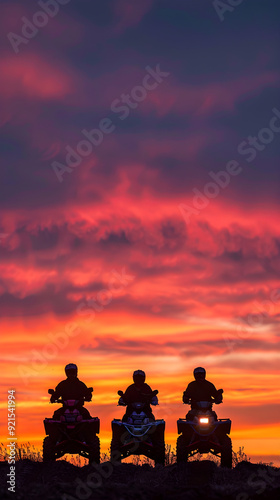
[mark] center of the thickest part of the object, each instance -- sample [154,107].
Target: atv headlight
[204,420]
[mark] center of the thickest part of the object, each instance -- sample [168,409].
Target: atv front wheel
[48,452]
[226,453]
[182,454]
[94,451]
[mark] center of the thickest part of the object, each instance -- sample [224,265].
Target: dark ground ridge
[194,480]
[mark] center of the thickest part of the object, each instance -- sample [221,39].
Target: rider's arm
[214,391]
[218,395]
[215,394]
[127,395]
[57,393]
[154,398]
[85,392]
[186,395]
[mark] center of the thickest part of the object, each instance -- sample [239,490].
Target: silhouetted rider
[72,388]
[200,390]
[139,392]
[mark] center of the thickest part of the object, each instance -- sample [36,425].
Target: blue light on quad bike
[204,420]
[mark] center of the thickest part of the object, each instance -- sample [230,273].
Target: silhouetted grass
[28,451]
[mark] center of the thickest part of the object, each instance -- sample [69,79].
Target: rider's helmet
[199,373]
[71,370]
[139,377]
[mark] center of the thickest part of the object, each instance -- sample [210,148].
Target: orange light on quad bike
[204,420]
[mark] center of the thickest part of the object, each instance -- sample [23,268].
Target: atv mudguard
[119,427]
[221,427]
[93,425]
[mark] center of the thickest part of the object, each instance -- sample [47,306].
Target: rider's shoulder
[193,383]
[60,384]
[81,385]
[209,384]
[130,387]
[147,387]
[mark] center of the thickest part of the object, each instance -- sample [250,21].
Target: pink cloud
[34,77]
[130,12]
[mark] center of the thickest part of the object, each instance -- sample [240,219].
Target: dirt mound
[195,480]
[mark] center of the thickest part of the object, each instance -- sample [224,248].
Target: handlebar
[123,402]
[154,393]
[60,400]
[217,400]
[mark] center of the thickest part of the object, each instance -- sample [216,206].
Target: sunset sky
[131,259]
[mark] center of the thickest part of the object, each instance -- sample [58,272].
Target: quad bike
[203,432]
[71,434]
[139,434]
